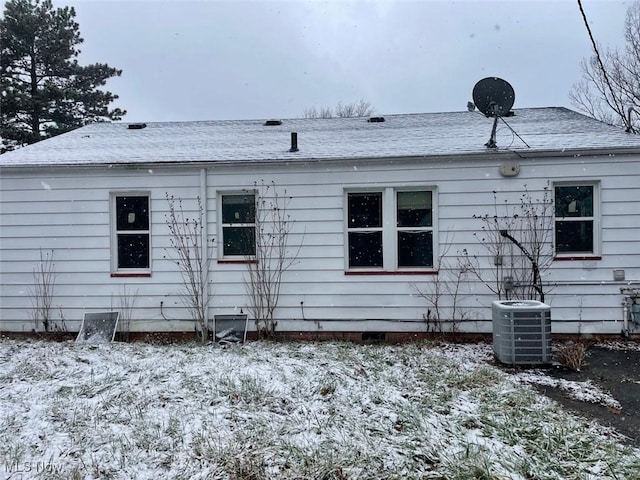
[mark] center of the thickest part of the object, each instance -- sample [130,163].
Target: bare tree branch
[517,273]
[361,108]
[610,87]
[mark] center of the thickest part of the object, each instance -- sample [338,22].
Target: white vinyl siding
[68,210]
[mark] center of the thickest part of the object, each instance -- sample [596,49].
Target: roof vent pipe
[294,142]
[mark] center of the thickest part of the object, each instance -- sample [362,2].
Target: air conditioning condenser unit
[521,332]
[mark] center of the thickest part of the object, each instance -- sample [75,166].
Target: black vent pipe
[294,142]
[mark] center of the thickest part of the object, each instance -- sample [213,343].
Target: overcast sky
[208,60]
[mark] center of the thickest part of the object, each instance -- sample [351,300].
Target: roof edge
[488,154]
[573,152]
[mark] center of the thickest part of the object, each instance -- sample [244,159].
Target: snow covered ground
[288,411]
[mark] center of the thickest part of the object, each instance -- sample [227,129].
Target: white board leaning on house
[98,327]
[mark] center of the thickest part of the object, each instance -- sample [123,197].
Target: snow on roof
[431,134]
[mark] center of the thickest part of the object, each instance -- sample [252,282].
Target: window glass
[133,251]
[132,213]
[238,209]
[239,241]
[365,210]
[575,237]
[574,201]
[414,209]
[365,249]
[415,248]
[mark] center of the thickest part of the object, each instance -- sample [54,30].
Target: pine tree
[44,91]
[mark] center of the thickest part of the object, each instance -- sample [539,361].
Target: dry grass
[290,411]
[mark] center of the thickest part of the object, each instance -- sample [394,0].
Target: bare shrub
[61,324]
[446,284]
[273,255]
[189,252]
[519,244]
[127,305]
[44,282]
[572,355]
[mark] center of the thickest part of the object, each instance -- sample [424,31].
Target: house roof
[530,131]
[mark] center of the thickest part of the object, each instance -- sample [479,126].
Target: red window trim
[130,275]
[386,272]
[229,261]
[571,258]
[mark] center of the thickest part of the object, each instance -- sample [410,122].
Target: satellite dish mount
[491,143]
[494,97]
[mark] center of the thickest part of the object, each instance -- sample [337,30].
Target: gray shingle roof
[430,134]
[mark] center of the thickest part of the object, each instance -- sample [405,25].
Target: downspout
[625,317]
[204,246]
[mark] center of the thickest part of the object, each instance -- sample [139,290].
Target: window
[365,229]
[131,240]
[415,229]
[576,212]
[238,225]
[390,229]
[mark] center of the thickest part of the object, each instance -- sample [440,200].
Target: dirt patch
[613,370]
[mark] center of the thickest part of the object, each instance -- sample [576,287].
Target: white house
[382,211]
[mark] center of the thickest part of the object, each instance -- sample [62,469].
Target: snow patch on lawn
[584,391]
[619,345]
[288,411]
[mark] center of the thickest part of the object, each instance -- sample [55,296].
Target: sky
[216,60]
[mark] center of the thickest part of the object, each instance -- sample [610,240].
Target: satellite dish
[493,96]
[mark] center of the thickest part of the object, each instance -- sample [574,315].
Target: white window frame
[115,233]
[384,213]
[222,226]
[390,228]
[595,218]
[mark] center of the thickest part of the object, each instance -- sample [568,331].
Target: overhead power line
[627,125]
